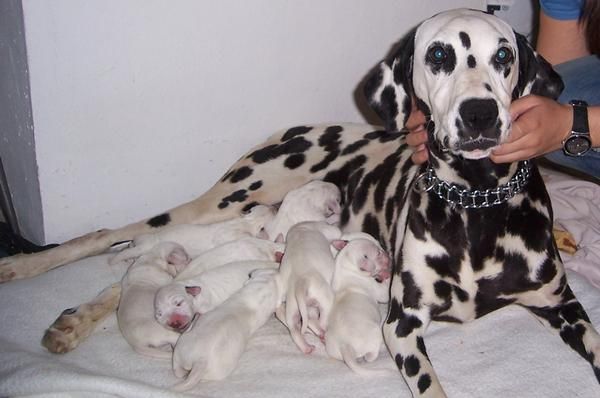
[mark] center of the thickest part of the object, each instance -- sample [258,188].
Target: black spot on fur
[547,271]
[421,346]
[442,289]
[295,131]
[412,294]
[406,324]
[255,185]
[240,174]
[411,365]
[341,176]
[249,206]
[399,361]
[449,63]
[488,87]
[465,40]
[371,226]
[160,220]
[238,196]
[532,226]
[297,144]
[462,295]
[424,382]
[355,146]
[294,161]
[471,62]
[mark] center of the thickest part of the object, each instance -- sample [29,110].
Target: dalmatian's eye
[437,55]
[503,55]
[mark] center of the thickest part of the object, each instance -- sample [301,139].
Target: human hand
[539,126]
[417,135]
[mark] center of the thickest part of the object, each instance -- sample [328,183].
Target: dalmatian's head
[463,67]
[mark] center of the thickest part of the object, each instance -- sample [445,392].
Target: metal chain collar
[475,199]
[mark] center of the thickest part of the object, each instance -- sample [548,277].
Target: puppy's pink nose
[178,322]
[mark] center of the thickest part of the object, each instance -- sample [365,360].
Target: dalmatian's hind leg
[403,334]
[75,324]
[565,316]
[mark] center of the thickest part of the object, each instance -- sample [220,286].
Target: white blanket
[505,354]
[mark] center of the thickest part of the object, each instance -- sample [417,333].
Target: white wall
[141,105]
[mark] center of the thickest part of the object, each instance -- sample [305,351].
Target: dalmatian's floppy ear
[536,75]
[388,88]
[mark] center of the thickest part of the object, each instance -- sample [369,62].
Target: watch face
[577,145]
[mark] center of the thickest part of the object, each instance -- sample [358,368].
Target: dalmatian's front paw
[68,330]
[74,325]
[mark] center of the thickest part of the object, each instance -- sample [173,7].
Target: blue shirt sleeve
[562,9]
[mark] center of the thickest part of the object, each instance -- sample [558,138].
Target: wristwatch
[578,143]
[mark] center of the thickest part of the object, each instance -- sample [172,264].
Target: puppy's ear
[536,75]
[193,290]
[388,87]
[339,244]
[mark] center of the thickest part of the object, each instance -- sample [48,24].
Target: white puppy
[243,249]
[176,303]
[361,279]
[307,267]
[314,201]
[212,347]
[198,238]
[135,313]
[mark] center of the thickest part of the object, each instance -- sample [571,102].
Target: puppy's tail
[193,377]
[349,357]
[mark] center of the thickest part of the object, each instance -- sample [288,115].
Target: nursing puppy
[135,313]
[239,250]
[315,201]
[176,303]
[361,279]
[198,238]
[307,267]
[211,349]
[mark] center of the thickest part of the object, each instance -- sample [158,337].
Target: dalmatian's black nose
[478,115]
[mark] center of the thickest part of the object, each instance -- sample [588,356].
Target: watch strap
[580,117]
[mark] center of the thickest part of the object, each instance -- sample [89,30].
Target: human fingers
[416,138]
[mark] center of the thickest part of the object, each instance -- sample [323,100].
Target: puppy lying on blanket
[211,349]
[239,250]
[314,201]
[135,314]
[307,268]
[176,303]
[361,278]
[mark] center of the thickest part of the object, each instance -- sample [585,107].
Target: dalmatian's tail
[301,295]
[349,357]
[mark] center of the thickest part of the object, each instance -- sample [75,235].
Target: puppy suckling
[307,267]
[211,348]
[243,249]
[135,313]
[198,238]
[315,201]
[176,303]
[361,279]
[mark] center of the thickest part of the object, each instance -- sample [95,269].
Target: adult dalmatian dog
[467,236]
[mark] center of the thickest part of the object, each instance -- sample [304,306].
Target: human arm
[539,126]
[560,40]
